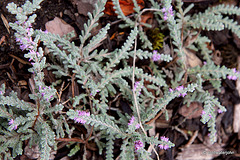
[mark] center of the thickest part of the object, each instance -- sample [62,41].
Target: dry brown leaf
[217,58]
[84,6]
[5,22]
[191,59]
[2,39]
[127,7]
[58,26]
[152,131]
[236,116]
[161,122]
[199,152]
[193,111]
[236,120]
[22,83]
[146,17]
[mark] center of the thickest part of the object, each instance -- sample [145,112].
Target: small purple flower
[184,94]
[83,113]
[170,11]
[18,40]
[15,127]
[80,114]
[165,17]
[163,138]
[167,13]
[79,120]
[170,90]
[232,77]
[179,88]
[234,70]
[137,126]
[10,122]
[138,144]
[204,63]
[160,146]
[131,120]
[156,56]
[220,111]
[163,9]
[136,85]
[23,47]
[166,147]
[203,112]
[1,92]
[210,116]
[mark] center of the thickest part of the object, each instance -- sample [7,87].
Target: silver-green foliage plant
[101,78]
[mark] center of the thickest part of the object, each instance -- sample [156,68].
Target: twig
[192,139]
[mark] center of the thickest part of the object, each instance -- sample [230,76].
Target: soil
[14,73]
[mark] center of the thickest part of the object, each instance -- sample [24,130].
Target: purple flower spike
[138,144]
[167,13]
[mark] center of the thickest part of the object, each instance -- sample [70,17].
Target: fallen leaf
[146,17]
[127,7]
[191,59]
[236,120]
[193,111]
[236,116]
[200,151]
[58,26]
[22,83]
[217,58]
[84,6]
[2,40]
